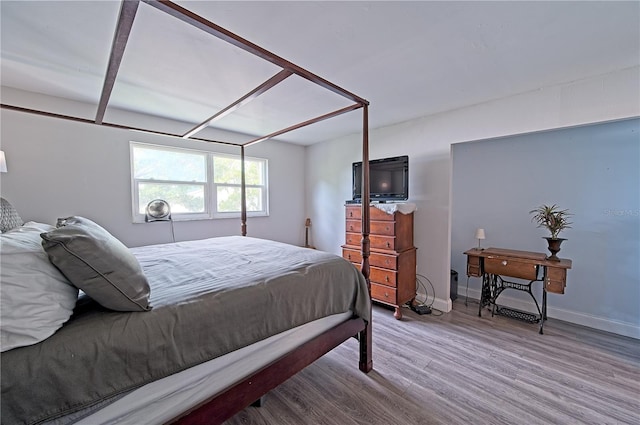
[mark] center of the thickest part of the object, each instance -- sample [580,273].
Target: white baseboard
[437,303]
[442,305]
[601,323]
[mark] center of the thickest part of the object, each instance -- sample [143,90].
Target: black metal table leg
[543,316]
[485,293]
[499,285]
[482,292]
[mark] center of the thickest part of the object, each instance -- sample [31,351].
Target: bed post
[365,337]
[243,195]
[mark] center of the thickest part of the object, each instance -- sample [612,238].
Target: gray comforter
[209,298]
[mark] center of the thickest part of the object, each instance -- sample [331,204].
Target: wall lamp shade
[3,163]
[480,236]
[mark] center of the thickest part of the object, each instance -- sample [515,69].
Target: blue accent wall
[594,171]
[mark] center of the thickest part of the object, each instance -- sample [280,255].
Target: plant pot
[554,247]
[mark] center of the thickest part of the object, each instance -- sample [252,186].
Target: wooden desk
[492,264]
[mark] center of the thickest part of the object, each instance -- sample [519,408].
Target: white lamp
[3,163]
[479,237]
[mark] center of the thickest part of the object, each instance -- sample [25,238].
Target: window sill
[235,216]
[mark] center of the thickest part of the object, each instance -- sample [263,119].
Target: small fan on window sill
[157,210]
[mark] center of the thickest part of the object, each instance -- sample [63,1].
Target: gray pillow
[98,264]
[9,217]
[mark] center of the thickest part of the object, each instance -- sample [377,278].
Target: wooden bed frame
[227,404]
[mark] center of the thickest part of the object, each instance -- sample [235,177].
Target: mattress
[163,400]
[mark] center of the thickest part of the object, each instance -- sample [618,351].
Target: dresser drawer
[376,242]
[555,280]
[383,260]
[354,239]
[511,268]
[383,293]
[353,255]
[354,226]
[382,242]
[384,228]
[474,268]
[355,212]
[382,276]
[376,259]
[387,228]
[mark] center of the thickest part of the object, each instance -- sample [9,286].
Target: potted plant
[555,220]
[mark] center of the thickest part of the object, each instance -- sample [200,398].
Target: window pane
[226,170]
[159,164]
[253,172]
[254,199]
[182,198]
[229,199]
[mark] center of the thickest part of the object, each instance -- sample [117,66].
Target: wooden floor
[458,368]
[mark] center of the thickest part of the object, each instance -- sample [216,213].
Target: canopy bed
[176,321]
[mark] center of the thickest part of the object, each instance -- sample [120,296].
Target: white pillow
[36,299]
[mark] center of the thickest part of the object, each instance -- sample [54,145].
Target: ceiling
[409,59]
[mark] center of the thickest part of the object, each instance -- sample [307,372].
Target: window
[226,180]
[196,184]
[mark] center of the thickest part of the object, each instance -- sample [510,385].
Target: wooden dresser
[392,255]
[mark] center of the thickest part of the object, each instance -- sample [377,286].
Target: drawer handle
[350,213]
[387,262]
[349,256]
[386,295]
[387,228]
[350,227]
[388,245]
[386,278]
[504,262]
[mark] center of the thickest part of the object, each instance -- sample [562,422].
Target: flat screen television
[388,179]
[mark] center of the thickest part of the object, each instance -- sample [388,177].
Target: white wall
[59,168]
[329,177]
[427,141]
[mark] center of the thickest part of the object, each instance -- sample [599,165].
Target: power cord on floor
[424,307]
[173,233]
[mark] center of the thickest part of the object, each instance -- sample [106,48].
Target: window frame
[210,187]
[236,214]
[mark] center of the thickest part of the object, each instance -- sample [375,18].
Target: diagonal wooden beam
[223,34]
[305,123]
[106,124]
[282,75]
[128,11]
